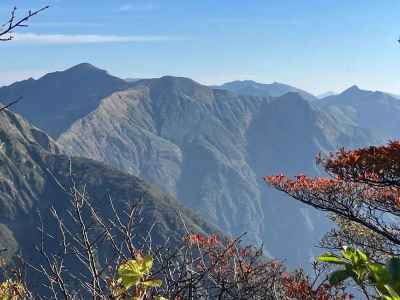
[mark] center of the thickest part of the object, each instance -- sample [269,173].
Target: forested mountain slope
[211,147]
[33,175]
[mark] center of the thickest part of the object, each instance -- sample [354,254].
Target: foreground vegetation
[102,257]
[362,196]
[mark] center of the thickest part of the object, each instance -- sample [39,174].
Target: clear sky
[317,45]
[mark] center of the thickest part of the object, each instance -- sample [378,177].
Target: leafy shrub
[355,265]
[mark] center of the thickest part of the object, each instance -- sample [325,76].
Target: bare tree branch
[10,104]
[13,23]
[6,31]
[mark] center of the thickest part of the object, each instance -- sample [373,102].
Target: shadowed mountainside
[32,170]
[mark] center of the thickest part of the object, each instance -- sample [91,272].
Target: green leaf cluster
[135,273]
[11,290]
[356,265]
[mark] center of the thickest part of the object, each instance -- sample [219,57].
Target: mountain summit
[374,110]
[85,67]
[56,100]
[275,89]
[353,91]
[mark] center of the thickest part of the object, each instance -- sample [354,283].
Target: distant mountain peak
[80,70]
[170,86]
[275,89]
[352,89]
[56,100]
[85,67]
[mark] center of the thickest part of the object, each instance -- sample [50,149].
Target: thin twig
[14,23]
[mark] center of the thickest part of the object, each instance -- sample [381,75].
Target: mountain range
[376,111]
[209,147]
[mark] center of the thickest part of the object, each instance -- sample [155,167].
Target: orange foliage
[364,188]
[387,196]
[298,286]
[201,240]
[378,165]
[231,265]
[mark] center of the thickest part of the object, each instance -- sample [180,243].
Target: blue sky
[317,45]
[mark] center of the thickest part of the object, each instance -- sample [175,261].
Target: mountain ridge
[54,101]
[211,147]
[253,88]
[374,110]
[34,175]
